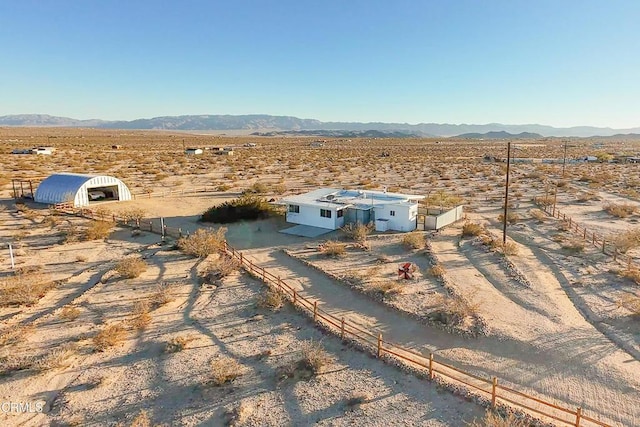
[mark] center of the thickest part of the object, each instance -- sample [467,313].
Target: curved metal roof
[72,187]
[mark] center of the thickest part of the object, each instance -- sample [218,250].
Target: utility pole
[564,159]
[506,197]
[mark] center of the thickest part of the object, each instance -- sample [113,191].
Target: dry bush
[620,210]
[414,240]
[387,287]
[70,234]
[219,268]
[179,343]
[98,230]
[575,245]
[271,299]
[452,310]
[161,296]
[333,248]
[70,313]
[133,214]
[24,289]
[131,267]
[472,229]
[12,362]
[140,316]
[203,242]
[238,414]
[631,303]
[57,358]
[631,273]
[109,336]
[509,248]
[627,240]
[587,196]
[15,334]
[495,419]
[224,370]
[314,356]
[437,270]
[141,420]
[355,277]
[358,232]
[538,215]
[512,217]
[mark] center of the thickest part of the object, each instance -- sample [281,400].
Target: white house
[332,208]
[193,151]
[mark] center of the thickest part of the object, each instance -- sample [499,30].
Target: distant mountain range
[500,135]
[263,122]
[340,133]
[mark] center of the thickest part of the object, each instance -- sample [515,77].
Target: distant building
[193,151]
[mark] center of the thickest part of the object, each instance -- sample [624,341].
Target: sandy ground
[113,387]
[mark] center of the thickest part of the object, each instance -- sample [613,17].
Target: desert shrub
[414,240]
[627,240]
[245,207]
[203,242]
[98,230]
[24,288]
[56,358]
[538,215]
[70,234]
[620,210]
[575,245]
[224,187]
[140,316]
[543,200]
[355,277]
[110,336]
[257,188]
[471,229]
[221,267]
[586,196]
[131,267]
[387,287]
[509,248]
[512,217]
[179,343]
[452,310]
[133,215]
[271,299]
[15,334]
[314,356]
[224,370]
[69,312]
[631,303]
[358,232]
[495,419]
[437,271]
[238,414]
[631,273]
[162,295]
[334,249]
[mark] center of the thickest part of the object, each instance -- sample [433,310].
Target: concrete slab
[306,231]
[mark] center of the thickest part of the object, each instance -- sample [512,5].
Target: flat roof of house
[361,199]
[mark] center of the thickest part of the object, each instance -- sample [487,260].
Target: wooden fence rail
[489,388]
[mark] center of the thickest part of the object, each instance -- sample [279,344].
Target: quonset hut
[80,189]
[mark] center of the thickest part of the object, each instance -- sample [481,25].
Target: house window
[392,213]
[294,208]
[340,213]
[325,213]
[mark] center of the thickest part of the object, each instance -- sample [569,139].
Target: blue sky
[557,62]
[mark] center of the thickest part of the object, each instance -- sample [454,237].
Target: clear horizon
[562,64]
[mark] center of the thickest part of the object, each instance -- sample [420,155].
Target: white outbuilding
[80,189]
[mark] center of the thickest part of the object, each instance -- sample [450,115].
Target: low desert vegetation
[110,336]
[495,419]
[224,370]
[386,288]
[69,313]
[140,315]
[133,215]
[509,248]
[512,217]
[161,295]
[179,343]
[24,288]
[414,240]
[131,267]
[57,358]
[574,245]
[333,248]
[271,299]
[312,361]
[627,240]
[630,302]
[620,210]
[245,207]
[239,414]
[141,420]
[98,230]
[219,268]
[15,334]
[203,242]
[631,274]
[453,310]
[538,215]
[437,271]
[358,232]
[470,229]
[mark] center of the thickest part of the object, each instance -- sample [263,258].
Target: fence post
[379,344]
[241,260]
[295,298]
[279,283]
[250,266]
[585,234]
[593,241]
[114,217]
[315,310]
[263,275]
[569,223]
[430,366]
[342,328]
[151,226]
[494,386]
[180,232]
[578,416]
[604,241]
